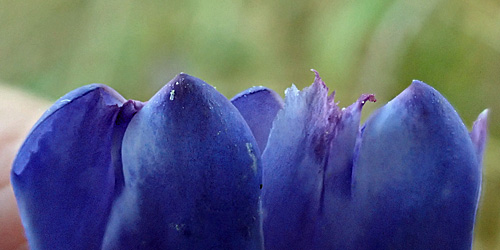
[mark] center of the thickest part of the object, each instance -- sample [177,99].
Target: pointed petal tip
[182,78]
[182,84]
[479,133]
[366,98]
[357,106]
[317,79]
[484,115]
[420,95]
[418,82]
[316,73]
[418,86]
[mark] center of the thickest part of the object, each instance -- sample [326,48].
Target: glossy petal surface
[416,178]
[259,106]
[305,169]
[192,174]
[63,175]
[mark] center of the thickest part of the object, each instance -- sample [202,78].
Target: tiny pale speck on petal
[172,94]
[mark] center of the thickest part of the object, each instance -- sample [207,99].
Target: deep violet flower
[185,171]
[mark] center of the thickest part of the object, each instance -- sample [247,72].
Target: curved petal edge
[416,177]
[63,175]
[259,106]
[192,174]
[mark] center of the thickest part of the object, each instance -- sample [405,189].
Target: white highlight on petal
[252,155]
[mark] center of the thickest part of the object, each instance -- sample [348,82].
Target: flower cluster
[190,169]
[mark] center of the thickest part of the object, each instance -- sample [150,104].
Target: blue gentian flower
[190,169]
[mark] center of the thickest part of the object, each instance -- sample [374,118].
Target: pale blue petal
[307,158]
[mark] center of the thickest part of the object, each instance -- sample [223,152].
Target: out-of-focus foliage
[378,46]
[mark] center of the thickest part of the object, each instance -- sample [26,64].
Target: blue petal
[63,175]
[479,134]
[308,156]
[111,97]
[345,133]
[259,106]
[334,230]
[192,174]
[416,178]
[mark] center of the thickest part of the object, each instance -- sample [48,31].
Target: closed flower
[190,169]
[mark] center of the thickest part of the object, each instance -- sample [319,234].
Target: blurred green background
[50,47]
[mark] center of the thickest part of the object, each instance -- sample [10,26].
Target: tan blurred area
[18,112]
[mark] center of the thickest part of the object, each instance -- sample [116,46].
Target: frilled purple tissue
[190,169]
